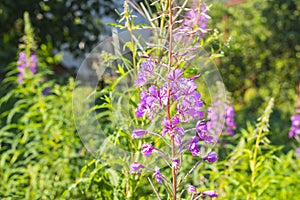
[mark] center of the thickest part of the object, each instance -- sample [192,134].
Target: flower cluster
[295,128]
[194,23]
[24,63]
[182,93]
[182,90]
[146,72]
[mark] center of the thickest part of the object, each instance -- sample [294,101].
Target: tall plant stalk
[174,176]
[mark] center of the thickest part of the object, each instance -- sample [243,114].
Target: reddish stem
[174,176]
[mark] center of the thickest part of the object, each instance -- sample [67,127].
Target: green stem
[253,174]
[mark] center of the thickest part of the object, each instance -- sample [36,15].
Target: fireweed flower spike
[172,100]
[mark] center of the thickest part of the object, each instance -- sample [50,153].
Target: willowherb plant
[166,93]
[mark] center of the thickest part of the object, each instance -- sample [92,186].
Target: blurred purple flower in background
[295,128]
[46,91]
[210,193]
[33,63]
[23,63]
[229,119]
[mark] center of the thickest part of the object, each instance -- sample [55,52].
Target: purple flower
[135,167]
[211,157]
[190,104]
[201,126]
[193,147]
[150,102]
[295,128]
[141,80]
[203,133]
[298,151]
[171,127]
[137,133]
[23,63]
[213,124]
[145,72]
[191,189]
[175,74]
[210,193]
[157,175]
[46,91]
[175,162]
[194,23]
[147,149]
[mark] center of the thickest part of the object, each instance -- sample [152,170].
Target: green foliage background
[261,58]
[59,24]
